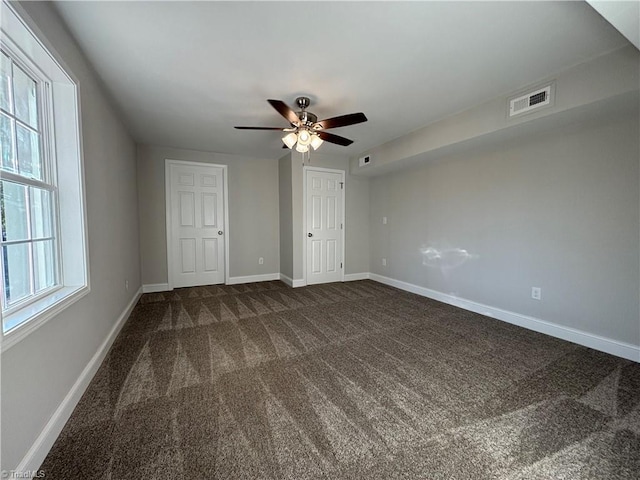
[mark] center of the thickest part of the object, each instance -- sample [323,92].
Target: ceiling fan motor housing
[306,118]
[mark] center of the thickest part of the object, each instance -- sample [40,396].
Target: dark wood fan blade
[284,110]
[331,138]
[342,120]
[260,128]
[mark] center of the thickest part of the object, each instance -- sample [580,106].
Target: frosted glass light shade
[290,139]
[316,141]
[302,148]
[304,137]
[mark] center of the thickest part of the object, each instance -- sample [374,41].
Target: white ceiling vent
[530,101]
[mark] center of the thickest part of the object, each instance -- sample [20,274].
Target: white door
[196,225]
[324,200]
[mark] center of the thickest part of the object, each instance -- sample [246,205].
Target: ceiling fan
[306,131]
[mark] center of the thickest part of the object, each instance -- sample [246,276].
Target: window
[43,258]
[28,206]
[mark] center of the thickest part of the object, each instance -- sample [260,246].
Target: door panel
[316,256]
[187,209]
[316,222]
[332,256]
[208,181]
[186,179]
[332,214]
[210,254]
[324,225]
[209,210]
[196,225]
[187,255]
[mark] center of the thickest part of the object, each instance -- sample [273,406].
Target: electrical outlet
[261,261]
[536,293]
[384,262]
[126,285]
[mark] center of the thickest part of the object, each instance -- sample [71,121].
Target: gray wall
[577,89]
[559,210]
[357,221]
[286,216]
[38,372]
[253,211]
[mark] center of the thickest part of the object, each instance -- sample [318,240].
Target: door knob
[219,232]
[309,234]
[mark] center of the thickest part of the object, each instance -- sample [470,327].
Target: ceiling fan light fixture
[302,148]
[290,139]
[316,141]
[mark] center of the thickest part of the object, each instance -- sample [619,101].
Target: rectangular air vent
[530,101]
[365,160]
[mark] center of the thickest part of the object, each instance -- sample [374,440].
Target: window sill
[32,317]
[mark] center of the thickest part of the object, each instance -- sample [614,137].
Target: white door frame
[167,193]
[305,169]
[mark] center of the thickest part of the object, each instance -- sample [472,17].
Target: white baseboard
[348,277]
[40,448]
[603,344]
[266,277]
[300,282]
[351,277]
[155,287]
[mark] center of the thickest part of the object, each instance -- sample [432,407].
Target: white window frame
[61,146]
[44,102]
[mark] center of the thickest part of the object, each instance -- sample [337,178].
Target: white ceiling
[184,73]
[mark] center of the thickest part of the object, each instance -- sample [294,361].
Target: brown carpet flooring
[345,381]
